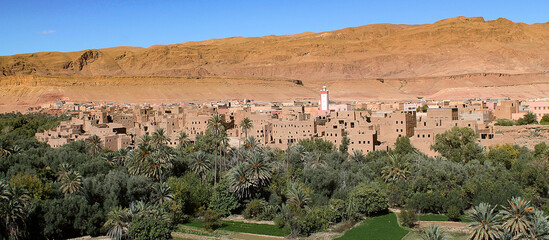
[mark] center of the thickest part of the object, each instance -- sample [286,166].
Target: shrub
[504,122]
[223,200]
[408,218]
[150,229]
[544,120]
[529,118]
[211,220]
[426,202]
[366,199]
[453,213]
[279,222]
[254,209]
[268,213]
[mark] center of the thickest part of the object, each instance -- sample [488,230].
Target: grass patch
[380,228]
[242,227]
[441,217]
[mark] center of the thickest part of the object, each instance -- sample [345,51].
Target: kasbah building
[369,126]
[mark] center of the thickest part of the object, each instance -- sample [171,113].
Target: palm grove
[82,189]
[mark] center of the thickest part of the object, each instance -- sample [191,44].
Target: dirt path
[451,226]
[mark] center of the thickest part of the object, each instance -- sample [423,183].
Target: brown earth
[450,59]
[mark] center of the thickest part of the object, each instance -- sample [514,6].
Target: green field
[379,228]
[254,228]
[441,217]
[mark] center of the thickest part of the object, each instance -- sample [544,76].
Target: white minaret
[324,101]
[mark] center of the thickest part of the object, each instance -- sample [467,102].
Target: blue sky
[55,25]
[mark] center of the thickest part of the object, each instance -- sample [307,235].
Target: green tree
[150,228]
[458,145]
[344,147]
[71,182]
[200,164]
[118,223]
[408,218]
[183,139]
[403,146]
[528,118]
[544,120]
[246,124]
[94,144]
[216,124]
[298,195]
[251,143]
[14,208]
[223,201]
[162,193]
[366,200]
[159,139]
[358,156]
[396,169]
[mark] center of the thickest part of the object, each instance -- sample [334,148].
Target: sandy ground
[33,91]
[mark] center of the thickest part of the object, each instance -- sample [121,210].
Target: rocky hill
[468,56]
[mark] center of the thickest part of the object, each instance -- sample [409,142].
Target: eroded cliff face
[450,59]
[448,47]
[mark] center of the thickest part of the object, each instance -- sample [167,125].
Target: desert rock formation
[450,59]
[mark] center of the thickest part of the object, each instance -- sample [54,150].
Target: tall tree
[216,124]
[71,182]
[159,139]
[246,124]
[200,164]
[458,144]
[94,144]
[118,223]
[14,207]
[396,169]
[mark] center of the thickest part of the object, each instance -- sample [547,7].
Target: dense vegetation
[83,189]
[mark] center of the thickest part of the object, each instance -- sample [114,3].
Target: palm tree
[358,156]
[396,170]
[484,223]
[298,195]
[246,124]
[138,159]
[64,168]
[240,180]
[251,143]
[182,140]
[118,222]
[159,139]
[515,218]
[313,160]
[159,162]
[71,182]
[433,232]
[4,149]
[217,125]
[94,144]
[14,208]
[540,226]
[200,164]
[163,193]
[260,169]
[145,139]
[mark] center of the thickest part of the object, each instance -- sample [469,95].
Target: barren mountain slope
[428,60]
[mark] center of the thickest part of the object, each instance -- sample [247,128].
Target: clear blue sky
[53,25]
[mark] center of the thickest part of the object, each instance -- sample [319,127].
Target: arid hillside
[452,58]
